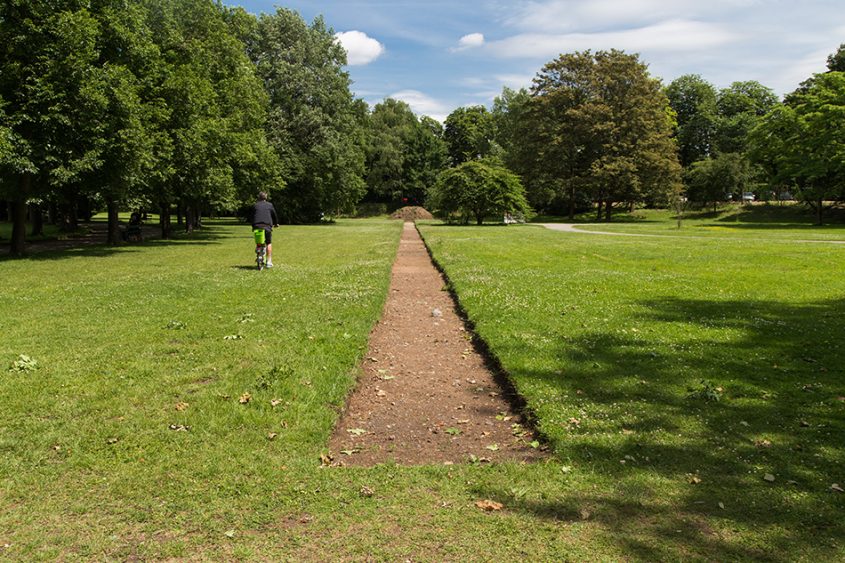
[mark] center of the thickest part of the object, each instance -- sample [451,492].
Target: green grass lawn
[129,440]
[621,346]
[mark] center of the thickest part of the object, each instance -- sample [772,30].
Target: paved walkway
[573,228]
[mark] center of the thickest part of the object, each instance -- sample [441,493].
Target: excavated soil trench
[426,394]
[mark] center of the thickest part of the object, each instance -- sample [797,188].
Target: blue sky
[438,55]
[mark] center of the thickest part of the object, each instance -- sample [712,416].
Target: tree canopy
[600,125]
[477,189]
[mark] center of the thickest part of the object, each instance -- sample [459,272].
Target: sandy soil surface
[426,394]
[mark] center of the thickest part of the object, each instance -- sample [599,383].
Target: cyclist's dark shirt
[263,215]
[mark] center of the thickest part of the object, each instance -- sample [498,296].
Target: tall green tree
[694,101]
[48,80]
[216,111]
[469,133]
[313,124]
[404,154]
[607,126]
[740,108]
[802,143]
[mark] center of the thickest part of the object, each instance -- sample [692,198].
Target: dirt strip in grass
[426,395]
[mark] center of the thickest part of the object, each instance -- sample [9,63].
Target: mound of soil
[411,213]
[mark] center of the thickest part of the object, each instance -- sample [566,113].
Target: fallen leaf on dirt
[373,359]
[535,444]
[272,435]
[229,533]
[349,452]
[489,505]
[366,492]
[493,447]
[245,398]
[275,402]
[453,431]
[769,477]
[356,431]
[381,393]
[464,421]
[182,406]
[835,487]
[387,377]
[326,459]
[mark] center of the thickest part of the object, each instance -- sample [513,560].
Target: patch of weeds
[176,325]
[705,391]
[24,363]
[275,374]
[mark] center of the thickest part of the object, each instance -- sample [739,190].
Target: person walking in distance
[264,217]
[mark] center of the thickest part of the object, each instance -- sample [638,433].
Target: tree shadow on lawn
[99,249]
[781,412]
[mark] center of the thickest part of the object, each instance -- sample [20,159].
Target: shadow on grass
[781,412]
[58,250]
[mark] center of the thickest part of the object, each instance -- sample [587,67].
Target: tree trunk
[164,221]
[572,203]
[179,214]
[70,221]
[114,225]
[608,210]
[52,212]
[37,219]
[18,212]
[479,219]
[598,213]
[189,219]
[820,210]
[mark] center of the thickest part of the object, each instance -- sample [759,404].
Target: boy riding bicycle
[264,217]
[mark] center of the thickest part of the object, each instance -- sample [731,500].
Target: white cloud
[470,41]
[423,104]
[561,16]
[669,36]
[361,49]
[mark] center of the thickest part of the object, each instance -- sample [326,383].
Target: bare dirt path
[426,395]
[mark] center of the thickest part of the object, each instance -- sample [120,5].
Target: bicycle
[260,247]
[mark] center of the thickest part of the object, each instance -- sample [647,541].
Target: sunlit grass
[129,440]
[617,343]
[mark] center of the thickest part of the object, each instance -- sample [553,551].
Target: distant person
[264,217]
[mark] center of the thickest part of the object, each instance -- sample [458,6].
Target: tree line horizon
[190,107]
